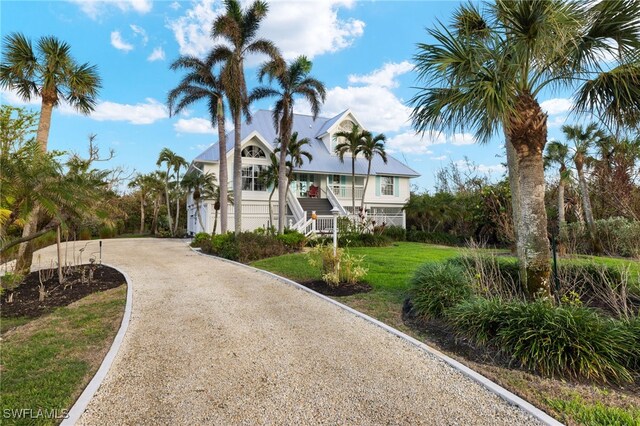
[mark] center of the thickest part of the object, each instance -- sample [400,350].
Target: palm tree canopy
[583,138]
[491,63]
[372,146]
[203,185]
[239,29]
[351,141]
[200,83]
[556,153]
[167,157]
[49,71]
[293,80]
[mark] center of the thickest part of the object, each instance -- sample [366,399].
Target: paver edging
[493,387]
[85,397]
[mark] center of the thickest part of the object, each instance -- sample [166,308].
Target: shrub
[436,287]
[363,240]
[619,237]
[343,268]
[247,247]
[200,238]
[491,276]
[293,240]
[84,234]
[395,233]
[433,238]
[107,232]
[552,340]
[225,245]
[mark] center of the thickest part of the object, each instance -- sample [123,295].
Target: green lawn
[47,362]
[390,269]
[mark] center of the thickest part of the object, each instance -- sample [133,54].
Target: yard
[390,269]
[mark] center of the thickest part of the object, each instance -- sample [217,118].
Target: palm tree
[239,29]
[370,147]
[293,80]
[350,144]
[50,72]
[167,157]
[157,187]
[485,73]
[270,178]
[144,185]
[177,163]
[558,153]
[203,186]
[201,83]
[217,202]
[583,140]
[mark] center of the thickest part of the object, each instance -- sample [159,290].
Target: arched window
[253,151]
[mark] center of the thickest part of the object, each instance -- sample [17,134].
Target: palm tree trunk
[215,222]
[166,191]
[285,139]
[24,258]
[156,210]
[528,135]
[366,184]
[514,186]
[586,205]
[200,218]
[223,172]
[44,124]
[142,214]
[271,208]
[237,172]
[561,219]
[175,225]
[353,185]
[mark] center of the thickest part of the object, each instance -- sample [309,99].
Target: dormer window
[253,151]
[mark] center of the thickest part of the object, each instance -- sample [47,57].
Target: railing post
[313,221]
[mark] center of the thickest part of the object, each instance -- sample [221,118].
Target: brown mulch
[340,290]
[26,301]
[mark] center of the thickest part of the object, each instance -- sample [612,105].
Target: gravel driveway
[214,343]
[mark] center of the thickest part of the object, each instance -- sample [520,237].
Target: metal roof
[323,161]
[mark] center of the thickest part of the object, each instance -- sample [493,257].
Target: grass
[390,270]
[7,324]
[47,362]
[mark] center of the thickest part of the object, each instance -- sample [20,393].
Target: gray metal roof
[323,161]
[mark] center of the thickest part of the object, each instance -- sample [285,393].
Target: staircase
[321,206]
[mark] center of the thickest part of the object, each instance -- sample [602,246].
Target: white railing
[324,224]
[344,191]
[334,201]
[395,219]
[294,205]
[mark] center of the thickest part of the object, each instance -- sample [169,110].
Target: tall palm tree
[269,177]
[167,157]
[239,29]
[49,72]
[157,187]
[217,202]
[350,144]
[178,163]
[371,147]
[201,83]
[296,155]
[584,139]
[144,186]
[293,81]
[486,70]
[558,154]
[203,186]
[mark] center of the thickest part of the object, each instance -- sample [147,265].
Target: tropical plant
[269,177]
[144,184]
[583,140]
[486,71]
[558,153]
[293,80]
[201,83]
[169,158]
[239,29]
[296,155]
[203,186]
[217,203]
[178,163]
[350,144]
[371,147]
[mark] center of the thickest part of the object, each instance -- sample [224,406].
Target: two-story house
[318,186]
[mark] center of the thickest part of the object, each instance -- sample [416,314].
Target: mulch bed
[25,296]
[341,290]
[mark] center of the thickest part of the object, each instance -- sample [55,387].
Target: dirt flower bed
[79,281]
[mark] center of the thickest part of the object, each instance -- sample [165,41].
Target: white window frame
[251,178]
[387,186]
[253,151]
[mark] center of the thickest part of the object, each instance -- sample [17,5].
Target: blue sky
[361,50]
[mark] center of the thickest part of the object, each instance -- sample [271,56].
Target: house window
[251,178]
[253,151]
[386,185]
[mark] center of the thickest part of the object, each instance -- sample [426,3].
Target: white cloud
[462,139]
[139,31]
[556,106]
[118,42]
[175,5]
[193,125]
[140,113]
[156,55]
[439,158]
[412,143]
[490,170]
[385,76]
[316,26]
[95,8]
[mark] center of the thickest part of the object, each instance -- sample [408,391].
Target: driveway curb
[83,400]
[466,371]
